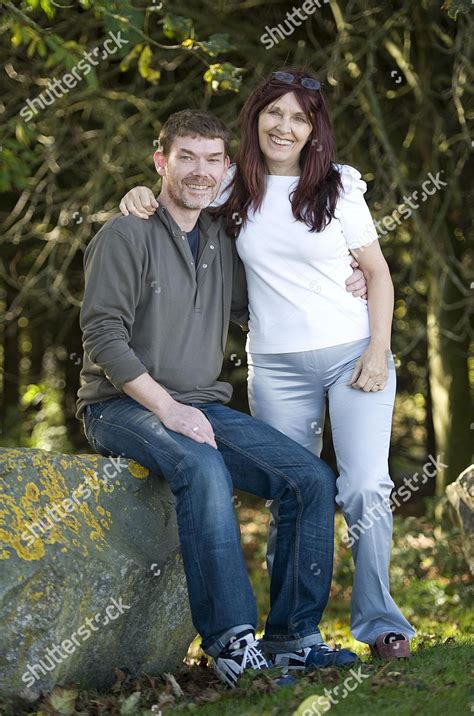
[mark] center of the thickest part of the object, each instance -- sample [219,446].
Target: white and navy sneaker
[242,652]
[319,656]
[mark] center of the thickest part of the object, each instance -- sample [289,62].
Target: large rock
[461,496]
[90,572]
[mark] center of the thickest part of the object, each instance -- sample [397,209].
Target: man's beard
[177,193]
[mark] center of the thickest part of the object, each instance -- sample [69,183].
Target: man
[157,302]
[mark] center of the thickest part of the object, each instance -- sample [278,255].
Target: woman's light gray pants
[288,391]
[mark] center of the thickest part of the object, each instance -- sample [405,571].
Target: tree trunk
[448,372]
[11,361]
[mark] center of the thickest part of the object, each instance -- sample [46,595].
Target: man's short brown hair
[192,123]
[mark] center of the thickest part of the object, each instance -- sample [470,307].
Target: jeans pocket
[93,410]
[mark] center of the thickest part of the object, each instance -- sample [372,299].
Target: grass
[430,582]
[435,681]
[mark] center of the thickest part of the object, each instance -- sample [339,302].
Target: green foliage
[12,171]
[177,27]
[45,5]
[454,7]
[144,65]
[121,15]
[217,44]
[224,77]
[397,104]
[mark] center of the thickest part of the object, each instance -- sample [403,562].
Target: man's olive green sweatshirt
[148,309]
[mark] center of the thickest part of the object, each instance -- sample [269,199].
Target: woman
[299,219]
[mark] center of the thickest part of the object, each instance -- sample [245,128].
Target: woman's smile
[280,142]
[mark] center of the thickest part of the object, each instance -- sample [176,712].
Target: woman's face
[283,130]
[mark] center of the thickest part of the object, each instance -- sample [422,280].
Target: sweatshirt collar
[207,224]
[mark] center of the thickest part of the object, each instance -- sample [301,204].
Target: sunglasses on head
[307,82]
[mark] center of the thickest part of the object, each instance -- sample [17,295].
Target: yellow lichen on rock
[53,482]
[97,534]
[137,470]
[32,492]
[26,552]
[91,482]
[49,511]
[13,516]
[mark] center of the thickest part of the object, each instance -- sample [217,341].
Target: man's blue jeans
[254,457]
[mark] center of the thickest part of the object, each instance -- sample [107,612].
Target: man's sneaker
[242,652]
[319,656]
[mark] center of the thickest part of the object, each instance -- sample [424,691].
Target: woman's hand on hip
[139,201]
[371,370]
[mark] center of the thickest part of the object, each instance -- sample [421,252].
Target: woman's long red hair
[314,199]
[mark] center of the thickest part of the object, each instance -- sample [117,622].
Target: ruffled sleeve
[352,210]
[224,191]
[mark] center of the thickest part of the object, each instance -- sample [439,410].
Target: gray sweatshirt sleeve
[239,312]
[113,268]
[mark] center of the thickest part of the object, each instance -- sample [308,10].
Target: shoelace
[250,653]
[319,647]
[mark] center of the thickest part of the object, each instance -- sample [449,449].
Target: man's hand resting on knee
[175,416]
[188,421]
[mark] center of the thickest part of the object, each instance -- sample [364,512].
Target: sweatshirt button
[204,265]
[211,246]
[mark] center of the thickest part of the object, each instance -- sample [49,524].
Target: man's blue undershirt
[193,239]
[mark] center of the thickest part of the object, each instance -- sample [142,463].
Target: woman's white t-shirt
[296,279]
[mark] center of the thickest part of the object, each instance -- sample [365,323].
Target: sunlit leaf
[217,43]
[62,700]
[17,36]
[311,705]
[224,77]
[47,8]
[177,27]
[124,19]
[133,55]
[129,706]
[21,134]
[145,68]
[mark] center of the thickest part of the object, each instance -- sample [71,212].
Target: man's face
[193,170]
